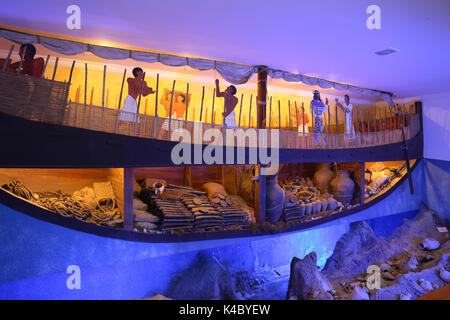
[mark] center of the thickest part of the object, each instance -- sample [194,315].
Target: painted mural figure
[134,88]
[178,110]
[318,108]
[347,107]
[230,103]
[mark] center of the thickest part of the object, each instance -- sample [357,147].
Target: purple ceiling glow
[324,38]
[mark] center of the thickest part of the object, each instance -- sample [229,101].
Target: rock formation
[205,279]
[355,251]
[306,281]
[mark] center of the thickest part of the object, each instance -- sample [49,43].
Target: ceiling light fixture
[387,51]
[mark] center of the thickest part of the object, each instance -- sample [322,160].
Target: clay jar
[324,204]
[308,207]
[332,203]
[323,176]
[342,187]
[274,200]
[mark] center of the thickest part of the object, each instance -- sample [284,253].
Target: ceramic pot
[274,199]
[429,244]
[318,203]
[324,204]
[323,176]
[302,208]
[308,208]
[342,187]
[332,203]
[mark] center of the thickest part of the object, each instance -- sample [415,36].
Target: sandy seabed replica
[412,262]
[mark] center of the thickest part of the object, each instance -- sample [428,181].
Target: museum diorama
[224,180]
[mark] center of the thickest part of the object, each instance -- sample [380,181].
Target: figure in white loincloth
[229,105]
[129,109]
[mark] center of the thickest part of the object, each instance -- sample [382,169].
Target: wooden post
[128,179]
[392,124]
[85,91]
[7,58]
[240,111]
[329,121]
[303,113]
[212,113]
[386,131]
[71,72]
[104,85]
[56,67]
[91,98]
[171,103]
[262,96]
[121,89]
[260,197]
[303,125]
[201,109]
[337,128]
[296,117]
[357,128]
[155,132]
[363,127]
[250,112]
[103,97]
[289,110]
[187,102]
[270,114]
[20,63]
[187,177]
[140,94]
[363,181]
[45,66]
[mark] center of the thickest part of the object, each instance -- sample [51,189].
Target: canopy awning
[235,73]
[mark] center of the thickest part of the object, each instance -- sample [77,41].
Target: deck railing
[145,126]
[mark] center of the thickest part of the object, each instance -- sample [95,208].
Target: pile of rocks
[412,262]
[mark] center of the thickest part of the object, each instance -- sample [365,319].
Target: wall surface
[35,255]
[436,126]
[437,186]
